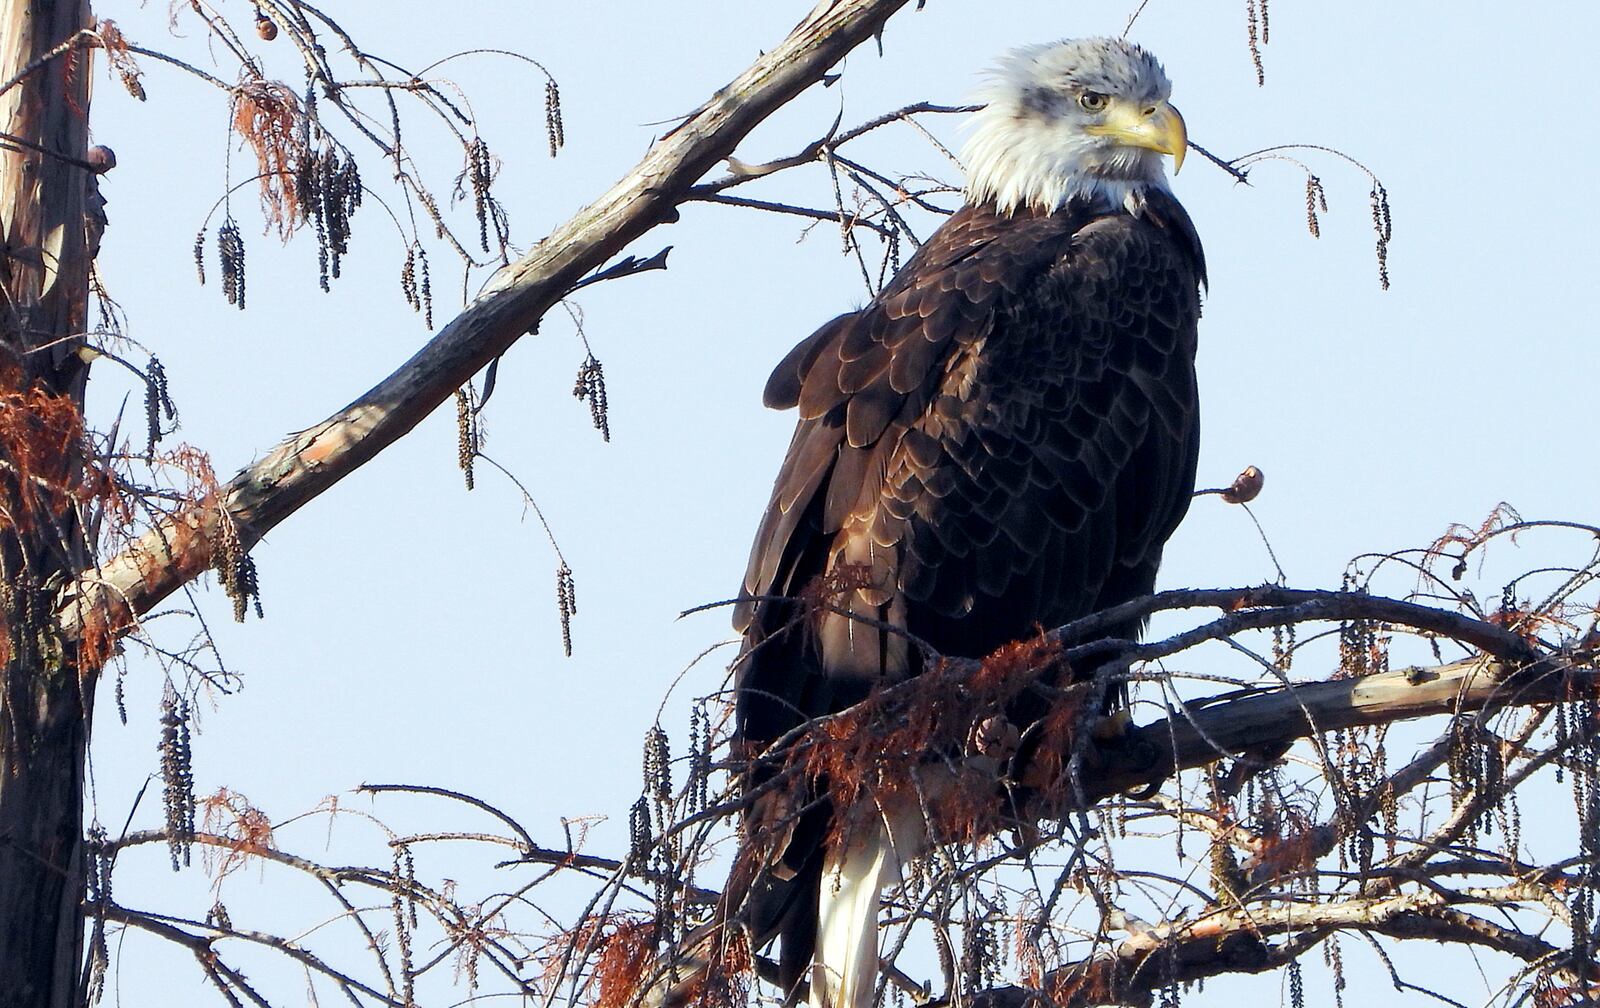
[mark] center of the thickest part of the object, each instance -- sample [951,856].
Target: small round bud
[101,159]
[1246,486]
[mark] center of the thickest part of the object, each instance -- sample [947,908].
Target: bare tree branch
[108,598]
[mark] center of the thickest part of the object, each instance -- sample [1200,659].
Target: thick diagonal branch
[109,598]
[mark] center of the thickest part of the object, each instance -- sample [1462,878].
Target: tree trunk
[45,699]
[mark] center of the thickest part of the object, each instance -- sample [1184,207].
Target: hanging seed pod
[1246,486]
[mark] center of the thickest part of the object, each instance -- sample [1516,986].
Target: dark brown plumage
[1003,438]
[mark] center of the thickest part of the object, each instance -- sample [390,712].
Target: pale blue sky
[411,631]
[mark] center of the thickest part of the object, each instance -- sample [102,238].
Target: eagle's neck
[1019,161]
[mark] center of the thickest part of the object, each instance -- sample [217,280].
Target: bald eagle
[1003,438]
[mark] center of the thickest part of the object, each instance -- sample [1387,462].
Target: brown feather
[1004,437]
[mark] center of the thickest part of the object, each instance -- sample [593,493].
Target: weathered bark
[1266,720]
[44,701]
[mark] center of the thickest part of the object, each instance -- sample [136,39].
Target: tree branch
[107,600]
[1237,942]
[1211,729]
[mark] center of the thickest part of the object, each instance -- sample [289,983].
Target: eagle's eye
[1093,101]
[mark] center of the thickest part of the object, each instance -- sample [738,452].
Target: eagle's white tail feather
[844,972]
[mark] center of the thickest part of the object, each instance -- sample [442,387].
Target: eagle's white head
[1081,117]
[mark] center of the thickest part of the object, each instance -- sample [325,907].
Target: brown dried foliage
[622,948]
[626,948]
[1468,538]
[1049,769]
[227,554]
[726,983]
[121,505]
[46,460]
[249,831]
[873,750]
[827,593]
[1550,993]
[121,60]
[1283,855]
[267,115]
[47,470]
[1089,986]
[96,645]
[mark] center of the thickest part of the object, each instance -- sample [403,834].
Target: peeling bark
[44,703]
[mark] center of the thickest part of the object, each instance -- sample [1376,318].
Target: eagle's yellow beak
[1156,127]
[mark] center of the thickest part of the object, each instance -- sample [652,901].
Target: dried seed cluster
[566,604]
[653,817]
[590,387]
[981,957]
[657,765]
[1361,763]
[554,130]
[98,897]
[177,775]
[639,832]
[1333,958]
[1363,647]
[157,402]
[230,253]
[415,283]
[1578,732]
[1383,227]
[701,743]
[467,434]
[1283,645]
[1316,202]
[200,256]
[1477,773]
[328,190]
[236,570]
[1258,32]
[477,176]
